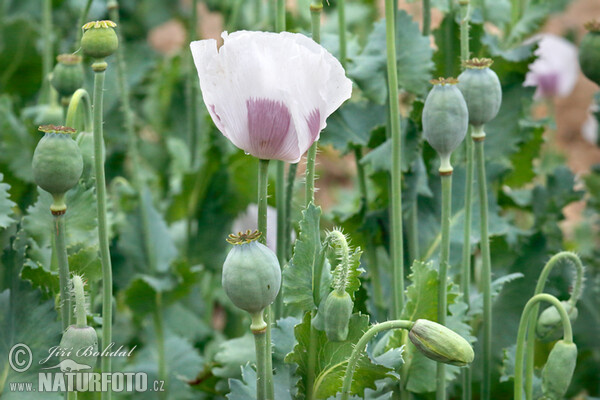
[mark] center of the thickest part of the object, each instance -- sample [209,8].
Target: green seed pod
[337,313]
[589,52]
[251,273]
[49,115]
[82,344]
[440,343]
[549,325]
[57,163]
[481,89]
[99,39]
[445,118]
[67,75]
[558,371]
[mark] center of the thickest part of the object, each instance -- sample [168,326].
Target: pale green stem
[79,302]
[521,335]
[446,177]
[80,103]
[478,136]
[63,270]
[541,284]
[341,8]
[260,344]
[396,196]
[426,17]
[99,68]
[289,196]
[280,17]
[360,347]
[263,181]
[466,250]
[160,343]
[123,85]
[192,87]
[48,51]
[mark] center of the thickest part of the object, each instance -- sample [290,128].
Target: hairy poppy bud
[558,371]
[440,343]
[337,310]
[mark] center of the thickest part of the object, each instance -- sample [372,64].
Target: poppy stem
[63,270]
[80,96]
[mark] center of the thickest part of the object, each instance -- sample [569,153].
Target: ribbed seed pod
[481,89]
[589,52]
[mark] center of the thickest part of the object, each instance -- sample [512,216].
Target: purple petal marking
[314,124]
[548,84]
[269,125]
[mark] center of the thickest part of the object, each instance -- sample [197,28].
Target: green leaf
[332,360]
[245,389]
[40,277]
[352,124]
[16,143]
[476,306]
[140,296]
[6,205]
[413,54]
[298,275]
[86,262]
[145,238]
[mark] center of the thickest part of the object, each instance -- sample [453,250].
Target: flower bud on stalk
[67,75]
[440,343]
[549,325]
[99,39]
[558,371]
[589,52]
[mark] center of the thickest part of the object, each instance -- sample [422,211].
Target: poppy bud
[549,325]
[99,39]
[440,344]
[558,371]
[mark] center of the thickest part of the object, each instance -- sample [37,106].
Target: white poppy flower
[556,68]
[270,93]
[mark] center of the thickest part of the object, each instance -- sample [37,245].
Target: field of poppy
[273,200]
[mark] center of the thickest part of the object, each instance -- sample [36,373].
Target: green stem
[443,273]
[426,17]
[525,320]
[310,174]
[281,249]
[280,17]
[47,54]
[263,181]
[192,88]
[82,18]
[160,343]
[541,284]
[99,68]
[63,270]
[79,302]
[466,250]
[396,198]
[360,346]
[260,344]
[72,395]
[478,136]
[76,107]
[123,85]
[341,6]
[413,229]
[289,196]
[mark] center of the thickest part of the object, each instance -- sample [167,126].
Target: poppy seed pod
[440,343]
[99,39]
[270,93]
[251,273]
[558,371]
[481,89]
[549,325]
[57,163]
[445,118]
[67,75]
[589,52]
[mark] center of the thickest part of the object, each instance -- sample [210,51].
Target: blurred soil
[571,112]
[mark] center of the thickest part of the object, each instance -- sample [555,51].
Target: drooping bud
[558,371]
[99,39]
[481,89]
[67,75]
[549,325]
[251,273]
[440,343]
[337,312]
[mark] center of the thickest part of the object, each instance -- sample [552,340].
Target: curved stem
[443,272]
[63,270]
[541,284]
[99,68]
[525,319]
[360,346]
[486,274]
[76,107]
[396,197]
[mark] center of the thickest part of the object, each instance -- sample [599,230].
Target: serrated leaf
[245,389]
[352,124]
[86,262]
[332,359]
[476,306]
[298,275]
[44,279]
[413,54]
[145,238]
[6,204]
